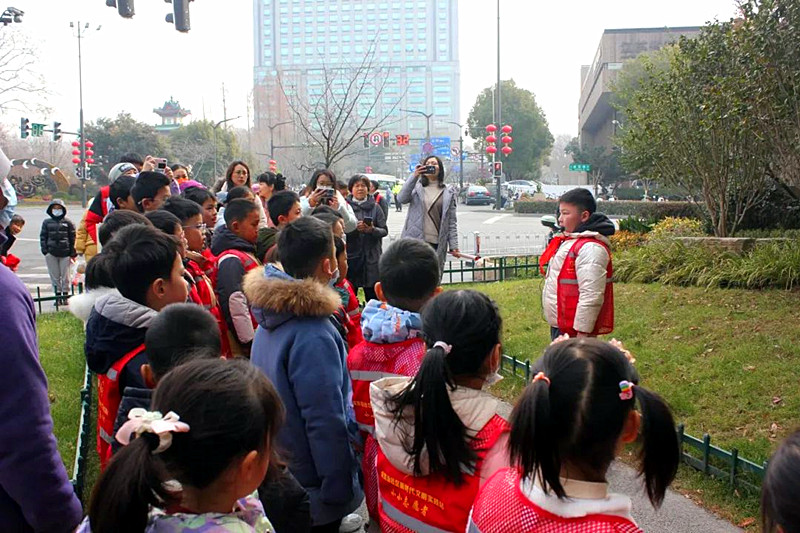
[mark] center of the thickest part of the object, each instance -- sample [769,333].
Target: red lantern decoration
[75,144]
[76,152]
[491,128]
[90,161]
[491,149]
[76,160]
[491,139]
[506,140]
[506,150]
[89,153]
[507,129]
[89,144]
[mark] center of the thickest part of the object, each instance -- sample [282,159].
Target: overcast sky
[135,65]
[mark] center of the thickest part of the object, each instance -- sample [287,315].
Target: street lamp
[427,122]
[271,143]
[11,14]
[460,152]
[217,125]
[81,36]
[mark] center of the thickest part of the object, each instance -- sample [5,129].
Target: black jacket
[9,241]
[132,397]
[364,249]
[229,279]
[58,233]
[285,501]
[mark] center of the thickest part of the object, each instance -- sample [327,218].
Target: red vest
[368,362]
[501,507]
[568,293]
[108,400]
[230,343]
[430,503]
[93,219]
[202,293]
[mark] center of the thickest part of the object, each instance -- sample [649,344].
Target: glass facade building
[415,41]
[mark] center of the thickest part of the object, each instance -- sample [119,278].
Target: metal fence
[84,433]
[39,299]
[712,461]
[487,269]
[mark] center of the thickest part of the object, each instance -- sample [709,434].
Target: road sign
[376,138]
[441,147]
[580,167]
[454,151]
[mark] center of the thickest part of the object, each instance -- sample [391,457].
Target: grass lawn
[725,360]
[61,355]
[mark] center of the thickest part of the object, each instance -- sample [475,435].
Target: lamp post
[81,35]
[271,143]
[427,122]
[217,125]
[497,115]
[460,152]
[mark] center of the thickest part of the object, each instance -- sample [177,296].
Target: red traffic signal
[498,169]
[402,140]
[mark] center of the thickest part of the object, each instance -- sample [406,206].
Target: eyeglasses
[201,227]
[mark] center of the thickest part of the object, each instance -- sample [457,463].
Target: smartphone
[161,165]
[430,169]
[368,221]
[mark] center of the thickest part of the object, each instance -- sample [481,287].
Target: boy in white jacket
[578,292]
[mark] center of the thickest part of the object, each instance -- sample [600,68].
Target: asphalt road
[501,233]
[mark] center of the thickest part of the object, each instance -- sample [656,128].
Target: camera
[280,183]
[327,194]
[161,165]
[430,169]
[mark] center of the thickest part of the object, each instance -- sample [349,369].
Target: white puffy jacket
[590,267]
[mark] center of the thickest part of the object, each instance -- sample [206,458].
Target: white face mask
[57,212]
[492,379]
[334,278]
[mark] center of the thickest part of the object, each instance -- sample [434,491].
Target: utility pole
[498,114]
[460,153]
[224,106]
[82,136]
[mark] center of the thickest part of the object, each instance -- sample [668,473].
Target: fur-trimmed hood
[275,297]
[81,305]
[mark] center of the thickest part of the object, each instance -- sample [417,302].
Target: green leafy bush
[651,211]
[623,240]
[634,225]
[770,264]
[676,227]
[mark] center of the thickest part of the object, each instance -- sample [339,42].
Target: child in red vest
[234,247]
[392,329]
[570,423]
[578,295]
[147,271]
[441,436]
[345,314]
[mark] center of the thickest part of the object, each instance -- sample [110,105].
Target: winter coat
[229,283]
[413,193]
[10,239]
[364,249]
[132,397]
[286,502]
[302,353]
[81,305]
[591,271]
[35,491]
[84,242]
[117,326]
[57,237]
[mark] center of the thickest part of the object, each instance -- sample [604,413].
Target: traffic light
[179,15]
[498,169]
[125,8]
[366,140]
[386,139]
[24,127]
[56,131]
[402,140]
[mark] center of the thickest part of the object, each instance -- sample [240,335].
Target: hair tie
[143,421]
[541,377]
[444,346]
[626,390]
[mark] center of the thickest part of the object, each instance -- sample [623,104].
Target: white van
[384,181]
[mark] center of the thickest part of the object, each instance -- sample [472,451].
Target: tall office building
[415,41]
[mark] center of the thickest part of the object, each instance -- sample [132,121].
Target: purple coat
[35,492]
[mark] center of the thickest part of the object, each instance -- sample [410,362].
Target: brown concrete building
[596,117]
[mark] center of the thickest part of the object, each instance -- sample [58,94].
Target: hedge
[650,211]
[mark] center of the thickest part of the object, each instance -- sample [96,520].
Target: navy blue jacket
[300,351]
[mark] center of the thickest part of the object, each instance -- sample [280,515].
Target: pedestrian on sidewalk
[57,240]
[572,420]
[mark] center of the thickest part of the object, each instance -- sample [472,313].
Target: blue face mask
[57,212]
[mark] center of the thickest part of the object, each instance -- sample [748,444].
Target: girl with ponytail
[197,466]
[570,423]
[440,434]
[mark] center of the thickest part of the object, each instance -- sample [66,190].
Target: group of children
[339,404]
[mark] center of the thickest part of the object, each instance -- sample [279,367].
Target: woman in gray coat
[432,212]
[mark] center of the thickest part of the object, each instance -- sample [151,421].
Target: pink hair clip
[626,390]
[541,377]
[144,421]
[444,346]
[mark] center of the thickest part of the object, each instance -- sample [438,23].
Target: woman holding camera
[432,210]
[321,190]
[364,244]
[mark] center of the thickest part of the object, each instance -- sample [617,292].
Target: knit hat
[118,170]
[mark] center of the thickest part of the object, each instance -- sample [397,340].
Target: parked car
[523,186]
[478,195]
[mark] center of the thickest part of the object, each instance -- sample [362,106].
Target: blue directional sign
[439,146]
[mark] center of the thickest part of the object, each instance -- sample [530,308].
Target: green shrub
[650,211]
[624,240]
[769,233]
[676,227]
[634,225]
[771,264]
